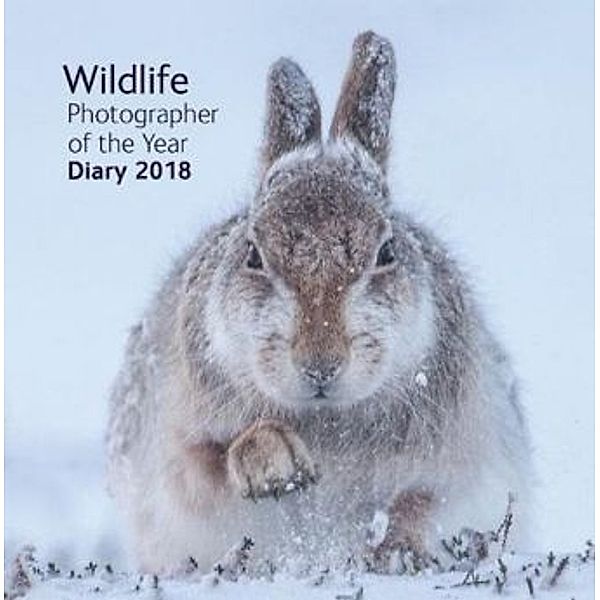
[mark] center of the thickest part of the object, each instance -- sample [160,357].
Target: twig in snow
[562,565]
[501,534]
[502,578]
[471,579]
[529,583]
[235,561]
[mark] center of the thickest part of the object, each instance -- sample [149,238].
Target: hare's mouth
[321,393]
[326,395]
[324,391]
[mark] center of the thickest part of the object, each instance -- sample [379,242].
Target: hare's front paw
[269,459]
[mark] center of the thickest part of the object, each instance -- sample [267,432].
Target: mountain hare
[314,361]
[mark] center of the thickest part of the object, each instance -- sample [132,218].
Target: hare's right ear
[364,109]
[293,114]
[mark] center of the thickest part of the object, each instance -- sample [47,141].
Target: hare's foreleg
[269,459]
[406,534]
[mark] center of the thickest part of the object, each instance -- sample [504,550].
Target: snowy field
[493,148]
[578,583]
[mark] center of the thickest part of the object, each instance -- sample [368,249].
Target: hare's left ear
[293,114]
[364,109]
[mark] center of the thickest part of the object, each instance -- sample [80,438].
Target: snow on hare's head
[328,301]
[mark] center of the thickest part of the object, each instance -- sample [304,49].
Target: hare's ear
[364,109]
[293,114]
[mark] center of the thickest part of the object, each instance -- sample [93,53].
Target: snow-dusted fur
[314,361]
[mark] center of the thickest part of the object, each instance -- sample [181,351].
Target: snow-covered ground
[511,575]
[493,147]
[578,583]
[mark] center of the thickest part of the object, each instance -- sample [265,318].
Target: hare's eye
[386,255]
[253,259]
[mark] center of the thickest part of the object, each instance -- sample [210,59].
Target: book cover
[299,299]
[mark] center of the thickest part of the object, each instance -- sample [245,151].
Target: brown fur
[356,114]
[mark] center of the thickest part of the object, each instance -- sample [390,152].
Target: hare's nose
[321,372]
